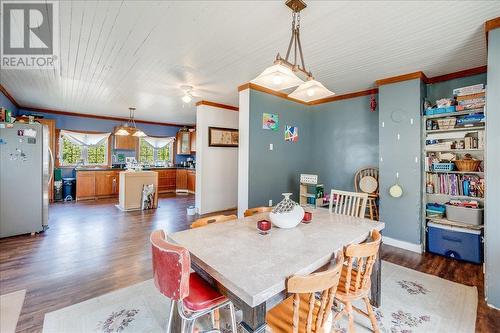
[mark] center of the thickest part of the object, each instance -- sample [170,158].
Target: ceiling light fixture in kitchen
[129,128]
[281,75]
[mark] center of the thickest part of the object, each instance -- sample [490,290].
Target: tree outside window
[73,153]
[149,154]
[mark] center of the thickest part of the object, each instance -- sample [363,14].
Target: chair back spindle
[348,203]
[305,288]
[359,263]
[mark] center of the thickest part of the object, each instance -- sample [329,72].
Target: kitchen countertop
[122,169]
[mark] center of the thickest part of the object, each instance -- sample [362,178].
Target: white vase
[287,214]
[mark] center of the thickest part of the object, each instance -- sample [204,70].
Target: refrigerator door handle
[51,173]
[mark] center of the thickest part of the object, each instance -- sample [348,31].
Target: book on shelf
[471,107]
[468,90]
[456,184]
[470,96]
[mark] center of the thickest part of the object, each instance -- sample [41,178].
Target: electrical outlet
[271,146]
[270,203]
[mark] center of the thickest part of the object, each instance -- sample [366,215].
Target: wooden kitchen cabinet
[166,180]
[183,139]
[106,183]
[95,184]
[85,185]
[191,181]
[192,137]
[125,142]
[181,180]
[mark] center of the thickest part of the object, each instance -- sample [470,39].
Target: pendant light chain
[297,46]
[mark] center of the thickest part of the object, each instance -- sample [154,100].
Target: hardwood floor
[92,248]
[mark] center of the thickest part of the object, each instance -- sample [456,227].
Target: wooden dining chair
[302,312]
[355,280]
[372,211]
[257,210]
[212,219]
[348,203]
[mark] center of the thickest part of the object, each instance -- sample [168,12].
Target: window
[153,150]
[146,152]
[83,148]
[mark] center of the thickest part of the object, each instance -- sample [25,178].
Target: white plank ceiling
[116,54]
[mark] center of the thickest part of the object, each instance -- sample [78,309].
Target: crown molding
[491,25]
[367,92]
[254,86]
[217,105]
[84,115]
[457,75]
[400,78]
[9,96]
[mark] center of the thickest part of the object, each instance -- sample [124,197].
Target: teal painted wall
[492,204]
[445,89]
[274,172]
[345,140]
[399,104]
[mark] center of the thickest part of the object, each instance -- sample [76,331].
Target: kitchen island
[102,182]
[131,187]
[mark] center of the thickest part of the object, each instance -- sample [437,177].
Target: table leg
[254,319]
[376,282]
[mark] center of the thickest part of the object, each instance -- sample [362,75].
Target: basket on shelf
[441,167]
[447,123]
[467,165]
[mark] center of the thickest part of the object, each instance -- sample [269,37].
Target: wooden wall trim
[254,86]
[217,105]
[459,74]
[9,96]
[492,24]
[367,92]
[400,78]
[74,114]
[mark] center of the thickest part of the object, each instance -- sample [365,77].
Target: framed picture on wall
[222,137]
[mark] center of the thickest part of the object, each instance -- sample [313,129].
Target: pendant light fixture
[282,75]
[129,128]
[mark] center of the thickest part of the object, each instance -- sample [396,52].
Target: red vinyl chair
[193,295]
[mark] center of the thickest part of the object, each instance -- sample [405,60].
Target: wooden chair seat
[280,318]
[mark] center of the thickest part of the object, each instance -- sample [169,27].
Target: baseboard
[402,244]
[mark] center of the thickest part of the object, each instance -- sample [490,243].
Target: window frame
[156,150]
[84,150]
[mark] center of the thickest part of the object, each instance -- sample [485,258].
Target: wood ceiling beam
[491,25]
[459,74]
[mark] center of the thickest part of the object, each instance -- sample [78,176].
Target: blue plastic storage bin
[455,242]
[447,109]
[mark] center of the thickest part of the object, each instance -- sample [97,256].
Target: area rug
[10,309]
[412,302]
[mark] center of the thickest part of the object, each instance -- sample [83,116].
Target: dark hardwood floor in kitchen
[92,248]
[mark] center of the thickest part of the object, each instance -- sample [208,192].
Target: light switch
[271,146]
[270,203]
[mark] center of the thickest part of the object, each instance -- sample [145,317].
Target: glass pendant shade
[122,131]
[277,77]
[139,133]
[311,90]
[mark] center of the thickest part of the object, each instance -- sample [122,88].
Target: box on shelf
[434,111]
[455,242]
[467,215]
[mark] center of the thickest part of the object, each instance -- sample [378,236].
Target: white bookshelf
[452,134]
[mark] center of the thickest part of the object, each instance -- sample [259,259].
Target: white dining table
[251,269]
